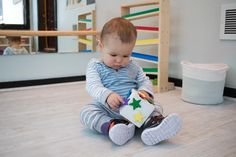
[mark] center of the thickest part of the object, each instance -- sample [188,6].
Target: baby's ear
[99,43]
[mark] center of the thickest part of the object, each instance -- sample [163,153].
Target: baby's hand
[114,100]
[143,94]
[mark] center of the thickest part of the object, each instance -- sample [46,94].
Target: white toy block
[136,109]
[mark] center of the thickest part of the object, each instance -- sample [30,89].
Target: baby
[14,47]
[110,79]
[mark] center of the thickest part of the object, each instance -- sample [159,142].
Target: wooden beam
[85,20]
[147,28]
[140,4]
[46,33]
[150,11]
[86,41]
[145,56]
[147,42]
[145,60]
[142,16]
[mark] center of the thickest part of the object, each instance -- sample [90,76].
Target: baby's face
[116,54]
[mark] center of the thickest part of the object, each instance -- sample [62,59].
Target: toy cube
[136,109]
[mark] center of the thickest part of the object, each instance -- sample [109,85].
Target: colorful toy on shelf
[147,28]
[141,14]
[137,108]
[87,21]
[147,70]
[145,57]
[144,42]
[154,34]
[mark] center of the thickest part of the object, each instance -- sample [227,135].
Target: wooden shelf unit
[26,41]
[161,11]
[85,20]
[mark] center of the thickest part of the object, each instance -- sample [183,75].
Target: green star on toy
[135,104]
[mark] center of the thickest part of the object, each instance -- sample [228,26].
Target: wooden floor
[44,121]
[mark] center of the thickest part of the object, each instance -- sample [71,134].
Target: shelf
[155,10]
[132,5]
[142,14]
[147,42]
[160,10]
[86,51]
[87,21]
[151,73]
[144,60]
[147,29]
[150,70]
[145,57]
[86,41]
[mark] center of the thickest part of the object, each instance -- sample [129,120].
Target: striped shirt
[14,51]
[102,80]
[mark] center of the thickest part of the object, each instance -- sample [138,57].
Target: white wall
[195,32]
[41,66]
[195,27]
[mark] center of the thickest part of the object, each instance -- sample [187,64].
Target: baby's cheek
[109,62]
[126,62]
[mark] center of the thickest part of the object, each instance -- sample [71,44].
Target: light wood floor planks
[43,121]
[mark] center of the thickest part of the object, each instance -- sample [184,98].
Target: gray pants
[95,115]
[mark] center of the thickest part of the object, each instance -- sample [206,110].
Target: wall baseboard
[230,92]
[27,83]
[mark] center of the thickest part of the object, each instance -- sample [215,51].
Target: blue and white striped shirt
[102,80]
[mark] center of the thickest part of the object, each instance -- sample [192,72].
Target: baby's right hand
[114,100]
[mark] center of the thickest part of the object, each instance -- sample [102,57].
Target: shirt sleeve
[94,84]
[7,51]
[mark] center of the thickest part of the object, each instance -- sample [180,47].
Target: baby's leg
[99,119]
[94,117]
[160,128]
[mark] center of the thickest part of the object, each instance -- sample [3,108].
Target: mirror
[16,37]
[67,21]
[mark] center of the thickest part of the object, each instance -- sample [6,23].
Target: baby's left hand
[143,94]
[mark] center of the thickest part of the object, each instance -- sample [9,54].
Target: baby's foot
[120,132]
[168,128]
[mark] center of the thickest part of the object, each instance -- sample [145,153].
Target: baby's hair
[14,38]
[125,30]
